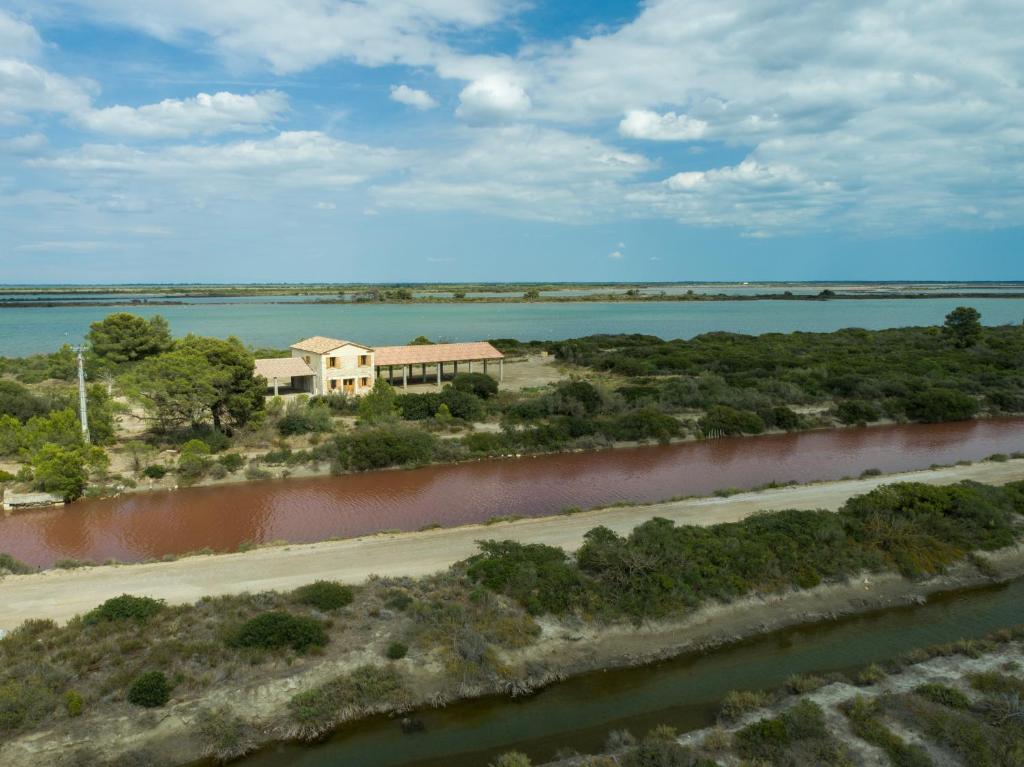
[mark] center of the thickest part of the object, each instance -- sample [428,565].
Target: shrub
[150,690]
[232,462]
[23,703]
[155,471]
[226,735]
[276,629]
[737,703]
[727,420]
[193,460]
[943,695]
[854,411]
[73,703]
[302,416]
[512,759]
[936,405]
[324,595]
[60,470]
[367,688]
[125,607]
[386,446]
[462,404]
[397,650]
[9,564]
[479,384]
[539,577]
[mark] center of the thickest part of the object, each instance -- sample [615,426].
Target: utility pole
[82,411]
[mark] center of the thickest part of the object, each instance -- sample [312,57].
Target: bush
[540,577]
[855,411]
[937,405]
[737,703]
[275,630]
[150,690]
[397,650]
[324,595]
[386,446]
[9,564]
[943,695]
[125,607]
[225,735]
[302,416]
[478,384]
[155,471]
[367,688]
[512,759]
[193,460]
[723,419]
[73,703]
[232,462]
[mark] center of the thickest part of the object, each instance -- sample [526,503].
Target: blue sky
[341,140]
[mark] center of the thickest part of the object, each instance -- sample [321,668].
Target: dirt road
[61,594]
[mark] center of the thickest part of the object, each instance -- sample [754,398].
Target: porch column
[501,370]
[405,376]
[455,365]
[485,367]
[470,363]
[423,373]
[275,386]
[439,365]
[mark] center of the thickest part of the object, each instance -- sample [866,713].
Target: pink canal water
[144,526]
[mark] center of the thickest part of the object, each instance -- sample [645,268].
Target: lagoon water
[27,330]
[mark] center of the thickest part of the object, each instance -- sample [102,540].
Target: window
[364,360]
[334,383]
[332,362]
[364,381]
[306,359]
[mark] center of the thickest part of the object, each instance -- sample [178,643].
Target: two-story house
[336,366]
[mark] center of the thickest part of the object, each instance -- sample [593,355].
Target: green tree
[963,326]
[11,435]
[124,338]
[177,387]
[420,341]
[532,294]
[61,471]
[199,379]
[380,404]
[61,428]
[238,393]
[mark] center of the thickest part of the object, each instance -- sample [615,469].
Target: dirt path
[61,594]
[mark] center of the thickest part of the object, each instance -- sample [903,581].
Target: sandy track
[62,594]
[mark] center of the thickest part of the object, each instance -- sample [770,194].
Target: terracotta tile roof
[281,367]
[322,344]
[431,353]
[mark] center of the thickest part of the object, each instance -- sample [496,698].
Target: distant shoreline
[46,303]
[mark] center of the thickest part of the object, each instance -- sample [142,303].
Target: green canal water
[25,330]
[683,692]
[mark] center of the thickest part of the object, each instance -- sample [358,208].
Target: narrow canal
[683,692]
[142,526]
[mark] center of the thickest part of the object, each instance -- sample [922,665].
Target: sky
[489,140]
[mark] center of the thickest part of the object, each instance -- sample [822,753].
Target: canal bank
[147,526]
[565,649]
[59,594]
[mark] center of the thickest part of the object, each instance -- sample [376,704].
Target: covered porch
[432,364]
[286,375]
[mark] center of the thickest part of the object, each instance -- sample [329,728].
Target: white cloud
[325,205]
[521,171]
[492,97]
[18,40]
[615,255]
[26,88]
[62,246]
[645,124]
[29,143]
[178,118]
[292,158]
[295,35]
[413,97]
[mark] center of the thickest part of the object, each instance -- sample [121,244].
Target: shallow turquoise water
[31,330]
